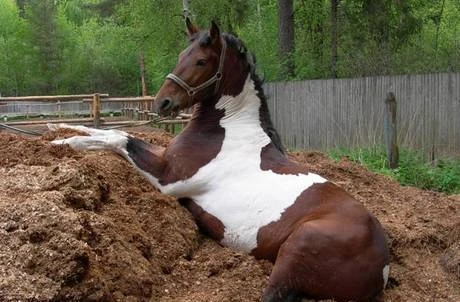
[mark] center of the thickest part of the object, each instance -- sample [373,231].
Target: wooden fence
[91,105]
[323,114]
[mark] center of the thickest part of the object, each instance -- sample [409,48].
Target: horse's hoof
[58,142]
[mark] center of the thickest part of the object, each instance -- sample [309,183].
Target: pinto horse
[228,168]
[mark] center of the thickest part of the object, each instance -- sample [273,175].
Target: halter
[215,78]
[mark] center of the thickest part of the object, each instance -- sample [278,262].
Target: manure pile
[84,226]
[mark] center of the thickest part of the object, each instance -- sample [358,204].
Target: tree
[60,46]
[45,36]
[437,21]
[231,15]
[186,10]
[18,62]
[21,5]
[260,33]
[286,36]
[334,37]
[105,8]
[374,34]
[312,38]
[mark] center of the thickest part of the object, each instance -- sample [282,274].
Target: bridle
[215,78]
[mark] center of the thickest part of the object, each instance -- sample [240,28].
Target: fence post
[96,110]
[390,131]
[58,104]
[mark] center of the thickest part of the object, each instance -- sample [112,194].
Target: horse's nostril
[165,104]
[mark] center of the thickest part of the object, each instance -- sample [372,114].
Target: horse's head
[206,69]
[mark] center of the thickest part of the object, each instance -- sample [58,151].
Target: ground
[84,226]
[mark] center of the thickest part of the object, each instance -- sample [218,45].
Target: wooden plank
[40,122]
[173,122]
[46,98]
[122,99]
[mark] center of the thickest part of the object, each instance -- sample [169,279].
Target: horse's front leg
[147,158]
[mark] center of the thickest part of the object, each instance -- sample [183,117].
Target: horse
[229,169]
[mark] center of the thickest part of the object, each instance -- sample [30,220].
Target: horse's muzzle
[166,106]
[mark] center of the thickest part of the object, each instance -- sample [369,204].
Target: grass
[441,176]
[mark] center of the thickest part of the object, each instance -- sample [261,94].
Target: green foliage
[312,38]
[46,38]
[97,62]
[157,29]
[82,46]
[232,15]
[260,34]
[394,37]
[17,56]
[442,176]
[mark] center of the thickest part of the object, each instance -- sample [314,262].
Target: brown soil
[84,226]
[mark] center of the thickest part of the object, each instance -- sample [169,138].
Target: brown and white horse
[228,168]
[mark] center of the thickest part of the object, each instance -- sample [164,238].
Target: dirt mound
[85,226]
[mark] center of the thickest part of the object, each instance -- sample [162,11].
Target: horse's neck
[242,109]
[229,130]
[240,117]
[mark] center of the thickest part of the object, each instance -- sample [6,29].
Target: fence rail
[92,105]
[48,98]
[59,105]
[323,114]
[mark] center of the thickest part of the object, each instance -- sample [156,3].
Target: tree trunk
[438,26]
[334,37]
[286,36]
[22,7]
[142,71]
[186,11]
[259,17]
[42,16]
[317,36]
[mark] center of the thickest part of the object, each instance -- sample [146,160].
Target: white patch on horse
[232,186]
[386,272]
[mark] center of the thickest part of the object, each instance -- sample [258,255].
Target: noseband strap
[215,78]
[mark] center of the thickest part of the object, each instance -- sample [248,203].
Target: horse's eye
[201,62]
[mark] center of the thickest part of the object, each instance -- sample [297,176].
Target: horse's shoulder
[186,154]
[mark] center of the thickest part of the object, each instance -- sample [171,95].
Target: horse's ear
[214,32]
[191,28]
